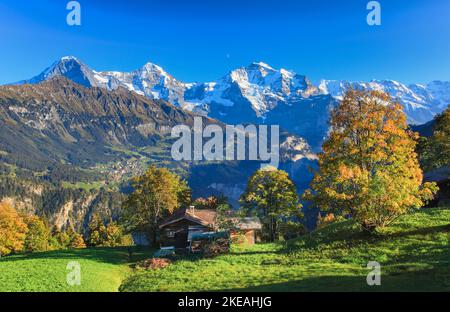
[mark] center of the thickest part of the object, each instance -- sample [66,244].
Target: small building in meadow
[246,230]
[178,229]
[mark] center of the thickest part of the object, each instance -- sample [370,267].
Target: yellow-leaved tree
[12,230]
[156,194]
[368,168]
[272,196]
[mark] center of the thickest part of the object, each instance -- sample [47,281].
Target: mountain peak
[69,67]
[261,64]
[151,67]
[68,58]
[67,61]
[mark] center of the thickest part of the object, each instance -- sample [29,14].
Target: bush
[292,229]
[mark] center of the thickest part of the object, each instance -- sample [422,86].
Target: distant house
[247,228]
[178,229]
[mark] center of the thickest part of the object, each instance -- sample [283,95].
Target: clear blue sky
[202,40]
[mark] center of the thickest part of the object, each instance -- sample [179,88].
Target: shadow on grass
[354,237]
[420,231]
[423,280]
[111,255]
[256,252]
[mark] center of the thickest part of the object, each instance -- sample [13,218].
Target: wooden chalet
[178,229]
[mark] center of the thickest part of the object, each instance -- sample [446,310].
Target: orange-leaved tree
[12,230]
[368,168]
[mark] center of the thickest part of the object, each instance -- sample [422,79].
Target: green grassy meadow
[102,270]
[414,254]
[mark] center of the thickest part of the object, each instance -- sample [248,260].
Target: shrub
[292,229]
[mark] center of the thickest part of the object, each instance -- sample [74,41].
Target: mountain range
[256,93]
[251,93]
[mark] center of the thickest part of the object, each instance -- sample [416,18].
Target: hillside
[59,121]
[414,255]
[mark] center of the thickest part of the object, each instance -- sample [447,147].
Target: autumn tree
[272,196]
[38,234]
[368,168]
[110,235]
[59,239]
[114,235]
[435,151]
[156,194]
[206,203]
[96,231]
[77,241]
[12,230]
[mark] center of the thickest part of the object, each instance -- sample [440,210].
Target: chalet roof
[205,217]
[248,223]
[208,218]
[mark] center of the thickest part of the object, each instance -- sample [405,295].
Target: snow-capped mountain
[440,91]
[150,80]
[421,103]
[258,84]
[255,93]
[71,68]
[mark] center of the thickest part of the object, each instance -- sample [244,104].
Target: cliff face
[60,206]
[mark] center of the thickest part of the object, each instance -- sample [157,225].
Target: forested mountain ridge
[61,121]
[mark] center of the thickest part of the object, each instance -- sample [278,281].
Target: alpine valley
[72,137]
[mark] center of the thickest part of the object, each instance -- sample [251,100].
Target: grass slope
[414,255]
[102,269]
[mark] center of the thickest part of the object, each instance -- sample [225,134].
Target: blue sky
[202,40]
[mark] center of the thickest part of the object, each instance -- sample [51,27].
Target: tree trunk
[272,230]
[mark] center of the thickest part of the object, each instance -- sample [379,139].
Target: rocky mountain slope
[61,121]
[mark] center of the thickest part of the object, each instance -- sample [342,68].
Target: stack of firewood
[217,247]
